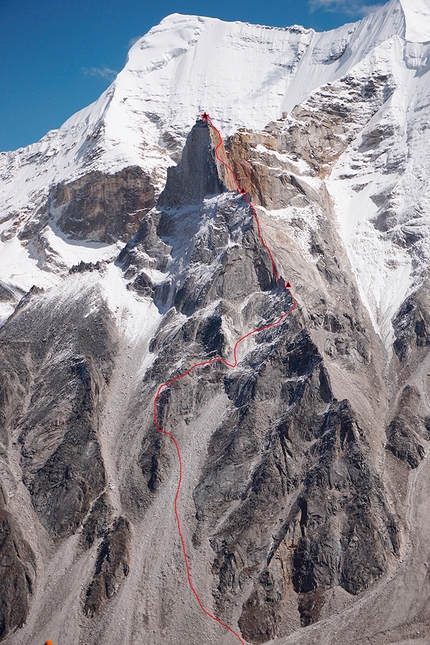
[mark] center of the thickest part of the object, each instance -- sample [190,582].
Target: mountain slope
[128,256]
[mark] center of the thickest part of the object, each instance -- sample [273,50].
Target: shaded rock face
[6,293]
[103,208]
[404,431]
[73,475]
[17,575]
[408,429]
[52,386]
[97,522]
[112,566]
[347,529]
[198,173]
[312,483]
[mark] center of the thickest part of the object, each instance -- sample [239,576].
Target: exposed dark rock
[97,522]
[112,566]
[251,273]
[62,490]
[17,575]
[263,611]
[412,324]
[6,294]
[153,461]
[404,430]
[145,249]
[212,336]
[142,284]
[33,293]
[312,484]
[346,526]
[426,429]
[289,496]
[54,404]
[310,606]
[101,207]
[403,444]
[198,174]
[86,266]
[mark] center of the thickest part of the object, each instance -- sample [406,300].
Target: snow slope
[381,190]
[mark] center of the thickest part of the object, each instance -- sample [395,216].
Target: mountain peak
[199,172]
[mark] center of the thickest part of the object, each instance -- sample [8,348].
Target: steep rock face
[17,575]
[290,457]
[407,430]
[317,131]
[404,431]
[195,244]
[198,173]
[412,326]
[287,506]
[102,207]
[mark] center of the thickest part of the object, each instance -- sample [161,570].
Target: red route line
[218,359]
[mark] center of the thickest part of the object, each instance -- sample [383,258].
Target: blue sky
[57,56]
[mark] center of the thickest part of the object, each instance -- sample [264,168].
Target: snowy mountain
[247,76]
[127,255]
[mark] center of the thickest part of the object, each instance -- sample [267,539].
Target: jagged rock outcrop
[313,483]
[412,325]
[198,173]
[112,566]
[17,575]
[316,131]
[403,433]
[289,499]
[97,522]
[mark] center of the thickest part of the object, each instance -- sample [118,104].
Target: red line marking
[218,359]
